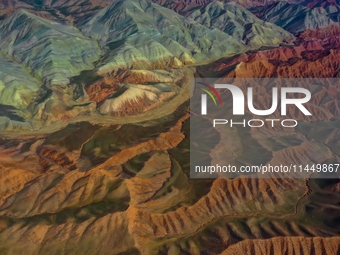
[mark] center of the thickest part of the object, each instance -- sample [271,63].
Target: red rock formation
[309,59]
[101,89]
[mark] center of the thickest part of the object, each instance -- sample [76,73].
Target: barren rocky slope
[95,127]
[72,59]
[133,194]
[40,45]
[280,246]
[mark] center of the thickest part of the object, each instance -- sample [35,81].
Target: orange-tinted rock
[286,246]
[100,90]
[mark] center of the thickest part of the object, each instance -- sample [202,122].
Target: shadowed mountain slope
[53,51]
[238,22]
[297,18]
[95,128]
[145,35]
[17,86]
[156,36]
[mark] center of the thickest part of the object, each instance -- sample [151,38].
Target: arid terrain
[95,127]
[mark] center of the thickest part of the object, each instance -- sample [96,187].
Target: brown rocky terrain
[286,245]
[135,197]
[95,128]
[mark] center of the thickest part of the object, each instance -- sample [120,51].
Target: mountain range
[57,47]
[95,127]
